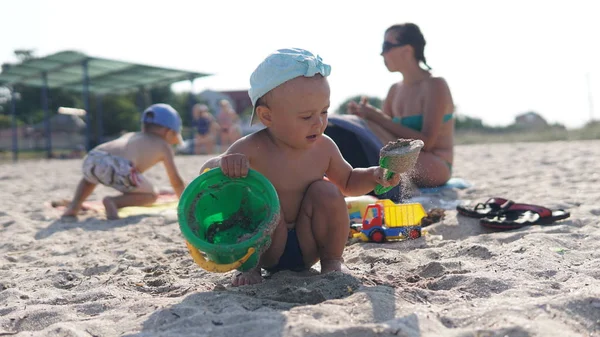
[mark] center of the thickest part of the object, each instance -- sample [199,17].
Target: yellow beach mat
[157,208]
[166,203]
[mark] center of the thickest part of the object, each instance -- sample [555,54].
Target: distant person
[418,107]
[206,129]
[120,163]
[230,124]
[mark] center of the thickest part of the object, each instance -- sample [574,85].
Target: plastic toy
[398,157]
[356,208]
[227,222]
[386,221]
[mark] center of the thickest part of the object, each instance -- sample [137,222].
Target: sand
[401,146]
[134,277]
[400,155]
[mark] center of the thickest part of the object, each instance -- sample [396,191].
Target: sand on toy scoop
[401,155]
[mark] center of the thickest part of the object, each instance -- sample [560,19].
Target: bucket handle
[215,267]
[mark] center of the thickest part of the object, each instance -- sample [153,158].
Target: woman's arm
[363,109]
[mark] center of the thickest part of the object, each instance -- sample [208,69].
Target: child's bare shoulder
[249,145]
[329,146]
[117,145]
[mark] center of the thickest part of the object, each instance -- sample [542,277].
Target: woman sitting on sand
[418,107]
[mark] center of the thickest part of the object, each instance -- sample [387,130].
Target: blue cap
[163,115]
[282,66]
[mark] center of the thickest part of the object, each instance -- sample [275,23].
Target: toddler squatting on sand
[290,96]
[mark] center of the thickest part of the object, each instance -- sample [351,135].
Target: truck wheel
[414,234]
[377,236]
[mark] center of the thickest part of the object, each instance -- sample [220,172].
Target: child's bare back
[144,150]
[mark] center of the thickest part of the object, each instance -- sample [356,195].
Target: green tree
[6,122]
[119,113]
[181,103]
[464,122]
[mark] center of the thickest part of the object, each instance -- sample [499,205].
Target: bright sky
[499,59]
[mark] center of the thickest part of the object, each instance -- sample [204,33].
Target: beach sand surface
[135,277]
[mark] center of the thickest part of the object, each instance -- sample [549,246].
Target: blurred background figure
[230,124]
[205,128]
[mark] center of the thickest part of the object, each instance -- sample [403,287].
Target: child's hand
[380,178]
[234,165]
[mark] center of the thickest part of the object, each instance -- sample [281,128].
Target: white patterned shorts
[100,167]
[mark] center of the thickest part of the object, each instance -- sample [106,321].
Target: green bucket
[227,222]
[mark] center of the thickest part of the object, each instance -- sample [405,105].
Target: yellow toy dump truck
[386,221]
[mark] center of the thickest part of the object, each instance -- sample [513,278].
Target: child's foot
[112,212]
[328,266]
[59,203]
[250,277]
[69,213]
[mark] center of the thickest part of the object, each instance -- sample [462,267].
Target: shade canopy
[65,70]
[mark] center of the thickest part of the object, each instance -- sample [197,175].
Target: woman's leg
[224,138]
[210,143]
[205,142]
[198,143]
[234,134]
[431,170]
[229,136]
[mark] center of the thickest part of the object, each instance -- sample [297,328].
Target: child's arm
[172,172]
[211,163]
[356,181]
[234,162]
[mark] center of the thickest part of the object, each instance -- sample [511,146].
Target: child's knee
[327,200]
[325,192]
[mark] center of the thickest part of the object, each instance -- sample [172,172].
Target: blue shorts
[292,258]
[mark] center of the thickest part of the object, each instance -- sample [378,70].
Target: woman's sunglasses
[389,45]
